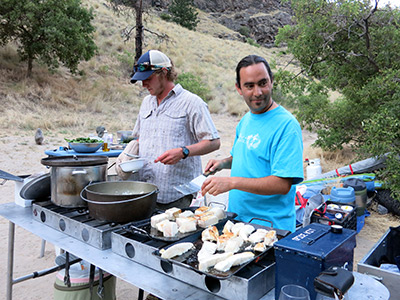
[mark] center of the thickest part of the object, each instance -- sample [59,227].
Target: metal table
[62,152]
[134,273]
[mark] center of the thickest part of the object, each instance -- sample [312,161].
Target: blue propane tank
[343,195]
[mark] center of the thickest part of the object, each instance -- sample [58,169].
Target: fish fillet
[173,213]
[186,224]
[212,260]
[176,250]
[157,219]
[210,234]
[236,228]
[233,245]
[234,260]
[245,231]
[206,250]
[228,227]
[170,229]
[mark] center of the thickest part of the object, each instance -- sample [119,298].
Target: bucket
[343,195]
[360,190]
[314,169]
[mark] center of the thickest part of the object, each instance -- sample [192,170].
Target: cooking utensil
[37,189]
[193,186]
[144,227]
[189,259]
[120,201]
[7,176]
[70,174]
[133,165]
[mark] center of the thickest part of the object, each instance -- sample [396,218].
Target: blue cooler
[304,254]
[344,195]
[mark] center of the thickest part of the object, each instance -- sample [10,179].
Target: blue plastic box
[304,254]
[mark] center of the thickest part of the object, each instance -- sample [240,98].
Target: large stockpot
[70,174]
[120,201]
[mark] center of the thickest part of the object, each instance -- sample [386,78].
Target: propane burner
[75,222]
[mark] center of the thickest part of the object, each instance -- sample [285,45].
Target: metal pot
[70,174]
[120,201]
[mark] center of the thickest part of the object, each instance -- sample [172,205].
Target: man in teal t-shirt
[267,156]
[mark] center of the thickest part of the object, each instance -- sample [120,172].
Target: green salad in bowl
[84,145]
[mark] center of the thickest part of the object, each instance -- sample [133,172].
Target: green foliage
[166,17]
[53,31]
[194,84]
[184,13]
[252,42]
[353,48]
[244,30]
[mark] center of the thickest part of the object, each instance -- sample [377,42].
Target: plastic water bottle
[314,169]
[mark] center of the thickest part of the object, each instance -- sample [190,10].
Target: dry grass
[61,103]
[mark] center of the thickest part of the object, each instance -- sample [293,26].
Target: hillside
[59,102]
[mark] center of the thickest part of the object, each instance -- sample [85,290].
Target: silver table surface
[146,278]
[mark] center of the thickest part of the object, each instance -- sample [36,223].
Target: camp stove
[75,222]
[250,283]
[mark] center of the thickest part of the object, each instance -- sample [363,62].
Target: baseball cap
[149,62]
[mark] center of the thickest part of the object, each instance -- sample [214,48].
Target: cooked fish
[173,213]
[270,238]
[233,245]
[206,250]
[210,234]
[260,247]
[186,224]
[176,250]
[223,239]
[258,236]
[218,212]
[212,260]
[186,214]
[170,229]
[236,228]
[157,219]
[160,225]
[207,221]
[234,260]
[227,227]
[201,210]
[245,231]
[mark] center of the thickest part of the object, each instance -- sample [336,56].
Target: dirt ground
[21,156]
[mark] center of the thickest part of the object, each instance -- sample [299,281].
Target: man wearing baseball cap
[173,128]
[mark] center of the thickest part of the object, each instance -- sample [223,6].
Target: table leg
[10,262]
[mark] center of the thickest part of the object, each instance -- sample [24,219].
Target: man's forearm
[203,147]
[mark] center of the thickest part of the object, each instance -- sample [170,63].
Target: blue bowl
[85,147]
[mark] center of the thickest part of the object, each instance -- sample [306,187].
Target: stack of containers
[344,195]
[360,190]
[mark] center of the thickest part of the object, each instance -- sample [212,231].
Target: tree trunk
[139,30]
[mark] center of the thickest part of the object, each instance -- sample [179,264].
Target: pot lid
[74,160]
[38,188]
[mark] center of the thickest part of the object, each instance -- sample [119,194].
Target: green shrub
[166,17]
[244,30]
[252,42]
[194,84]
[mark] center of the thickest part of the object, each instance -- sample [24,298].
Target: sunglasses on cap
[146,67]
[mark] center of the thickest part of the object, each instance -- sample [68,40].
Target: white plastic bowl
[133,165]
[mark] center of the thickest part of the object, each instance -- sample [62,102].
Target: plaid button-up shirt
[182,119]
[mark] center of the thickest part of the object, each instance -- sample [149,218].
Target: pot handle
[75,172]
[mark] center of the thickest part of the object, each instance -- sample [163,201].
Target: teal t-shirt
[267,144]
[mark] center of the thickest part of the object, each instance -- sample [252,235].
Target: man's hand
[217,185]
[170,157]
